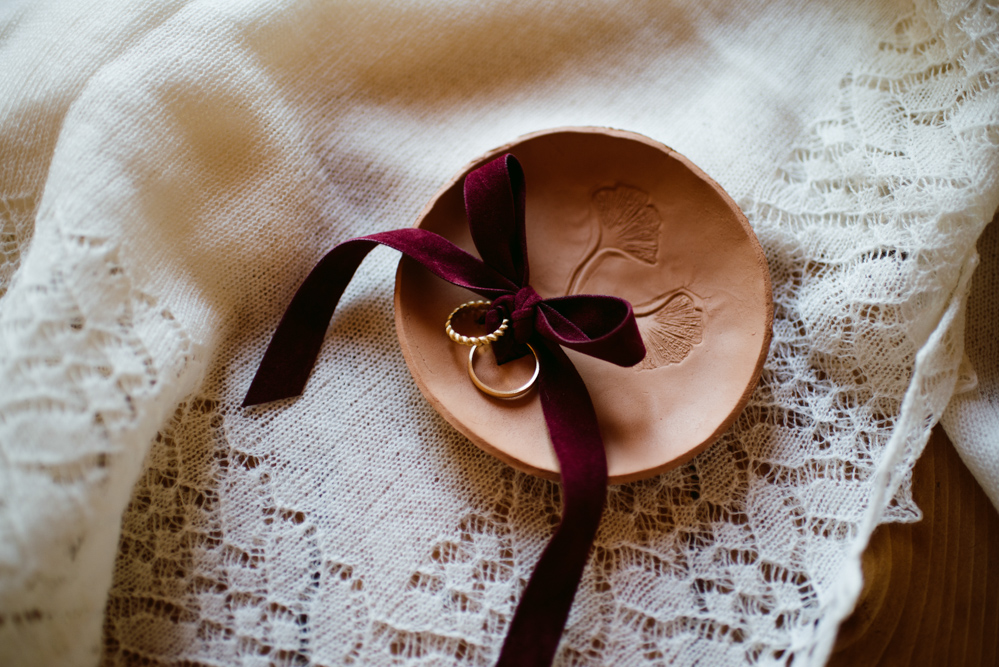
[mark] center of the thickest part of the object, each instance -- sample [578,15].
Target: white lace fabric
[170,172]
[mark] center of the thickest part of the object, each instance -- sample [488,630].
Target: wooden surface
[931,589]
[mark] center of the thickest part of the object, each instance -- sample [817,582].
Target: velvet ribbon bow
[600,326]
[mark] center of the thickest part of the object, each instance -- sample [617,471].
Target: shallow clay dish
[608,212]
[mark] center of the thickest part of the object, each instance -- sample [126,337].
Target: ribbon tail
[293,350]
[572,424]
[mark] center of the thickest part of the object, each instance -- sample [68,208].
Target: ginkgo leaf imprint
[629,226]
[629,220]
[669,331]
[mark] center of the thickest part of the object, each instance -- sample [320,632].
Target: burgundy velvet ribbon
[600,326]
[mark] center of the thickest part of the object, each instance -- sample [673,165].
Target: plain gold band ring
[474,341]
[496,393]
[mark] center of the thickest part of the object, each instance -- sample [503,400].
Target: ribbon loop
[495,196]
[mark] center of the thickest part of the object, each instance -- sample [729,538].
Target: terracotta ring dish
[608,212]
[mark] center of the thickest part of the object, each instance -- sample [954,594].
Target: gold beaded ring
[474,341]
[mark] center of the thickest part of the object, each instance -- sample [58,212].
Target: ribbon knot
[600,326]
[525,302]
[521,309]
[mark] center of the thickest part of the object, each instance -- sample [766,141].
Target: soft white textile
[170,171]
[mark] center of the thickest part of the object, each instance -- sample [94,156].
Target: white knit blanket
[170,171]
